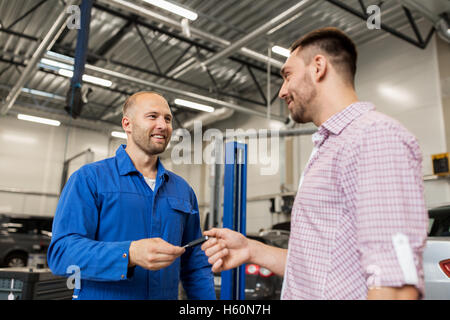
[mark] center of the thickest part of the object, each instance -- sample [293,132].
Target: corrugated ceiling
[115,44]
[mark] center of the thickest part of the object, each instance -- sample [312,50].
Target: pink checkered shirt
[359,218]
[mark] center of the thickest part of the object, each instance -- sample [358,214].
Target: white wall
[32,156]
[403,82]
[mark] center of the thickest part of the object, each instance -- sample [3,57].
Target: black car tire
[16,259]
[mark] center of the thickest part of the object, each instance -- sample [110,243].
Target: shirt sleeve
[73,235]
[391,217]
[196,274]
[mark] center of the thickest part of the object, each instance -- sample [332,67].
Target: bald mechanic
[358,222]
[122,220]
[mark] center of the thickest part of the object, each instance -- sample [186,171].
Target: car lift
[235,213]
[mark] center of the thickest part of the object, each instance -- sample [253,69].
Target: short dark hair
[335,44]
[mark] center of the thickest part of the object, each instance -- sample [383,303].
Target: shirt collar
[126,166]
[342,119]
[336,123]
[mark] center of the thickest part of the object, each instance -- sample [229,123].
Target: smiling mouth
[159,136]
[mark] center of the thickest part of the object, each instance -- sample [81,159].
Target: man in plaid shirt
[359,222]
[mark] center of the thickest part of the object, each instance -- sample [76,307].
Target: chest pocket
[181,205]
[178,214]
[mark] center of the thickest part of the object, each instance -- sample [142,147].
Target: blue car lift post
[235,213]
[80,55]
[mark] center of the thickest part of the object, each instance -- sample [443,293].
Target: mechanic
[122,221]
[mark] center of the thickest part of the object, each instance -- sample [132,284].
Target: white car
[436,258]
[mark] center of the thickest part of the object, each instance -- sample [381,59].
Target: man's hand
[153,254]
[388,293]
[226,250]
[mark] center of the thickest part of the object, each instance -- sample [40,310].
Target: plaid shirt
[359,218]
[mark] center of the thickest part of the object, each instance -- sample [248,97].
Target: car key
[196,242]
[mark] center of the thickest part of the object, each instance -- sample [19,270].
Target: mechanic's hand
[226,250]
[153,254]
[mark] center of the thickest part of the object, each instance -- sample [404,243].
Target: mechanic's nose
[161,123]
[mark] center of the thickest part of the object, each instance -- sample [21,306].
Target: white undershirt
[150,182]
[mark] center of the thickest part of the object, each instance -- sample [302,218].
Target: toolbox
[32,284]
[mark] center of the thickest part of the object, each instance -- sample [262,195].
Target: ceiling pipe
[30,69]
[148,14]
[443,28]
[208,118]
[238,45]
[154,85]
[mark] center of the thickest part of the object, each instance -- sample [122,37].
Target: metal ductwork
[443,27]
[208,118]
[239,44]
[435,11]
[154,16]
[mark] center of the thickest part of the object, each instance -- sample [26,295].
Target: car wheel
[15,260]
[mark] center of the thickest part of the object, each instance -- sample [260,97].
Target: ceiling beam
[239,44]
[250,54]
[48,41]
[148,14]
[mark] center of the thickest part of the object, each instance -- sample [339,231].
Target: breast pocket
[179,211]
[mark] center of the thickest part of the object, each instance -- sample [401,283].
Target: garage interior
[226,58]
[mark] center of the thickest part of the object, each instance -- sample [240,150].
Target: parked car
[21,235]
[436,258]
[261,283]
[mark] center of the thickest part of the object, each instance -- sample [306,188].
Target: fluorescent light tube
[60,56]
[57,64]
[95,80]
[281,51]
[194,105]
[87,78]
[43,94]
[38,120]
[171,7]
[117,134]
[65,73]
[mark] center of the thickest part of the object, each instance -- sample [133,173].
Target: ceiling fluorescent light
[65,73]
[95,80]
[194,105]
[90,79]
[60,56]
[57,64]
[118,134]
[169,6]
[43,94]
[38,120]
[281,51]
